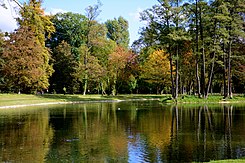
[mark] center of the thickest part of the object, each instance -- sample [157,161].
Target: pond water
[136,131]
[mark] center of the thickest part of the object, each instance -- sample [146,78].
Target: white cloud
[136,15]
[8,16]
[54,11]
[7,21]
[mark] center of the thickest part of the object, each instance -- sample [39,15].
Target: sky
[129,9]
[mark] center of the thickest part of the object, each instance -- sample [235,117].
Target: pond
[135,131]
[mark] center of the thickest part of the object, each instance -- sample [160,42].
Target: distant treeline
[193,48]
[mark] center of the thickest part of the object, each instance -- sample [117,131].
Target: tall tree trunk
[197,55]
[177,60]
[86,73]
[114,89]
[229,89]
[177,74]
[171,74]
[212,66]
[224,72]
[210,79]
[203,58]
[85,86]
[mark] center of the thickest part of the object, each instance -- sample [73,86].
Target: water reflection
[25,137]
[122,132]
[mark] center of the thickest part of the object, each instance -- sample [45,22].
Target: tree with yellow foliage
[156,70]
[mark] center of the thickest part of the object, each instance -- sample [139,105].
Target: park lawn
[25,99]
[210,99]
[227,161]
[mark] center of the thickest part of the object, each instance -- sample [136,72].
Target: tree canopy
[185,47]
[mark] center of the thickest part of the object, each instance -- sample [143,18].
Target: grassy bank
[227,161]
[210,99]
[24,99]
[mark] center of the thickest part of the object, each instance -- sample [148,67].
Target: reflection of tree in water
[92,132]
[111,131]
[26,137]
[123,132]
[150,136]
[135,133]
[203,134]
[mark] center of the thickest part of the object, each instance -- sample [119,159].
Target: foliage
[32,15]
[156,69]
[30,57]
[24,61]
[95,71]
[118,31]
[188,47]
[70,27]
[201,38]
[1,60]
[117,62]
[65,66]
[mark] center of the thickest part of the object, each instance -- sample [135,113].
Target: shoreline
[72,102]
[9,101]
[111,101]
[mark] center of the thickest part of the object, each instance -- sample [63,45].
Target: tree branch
[18,4]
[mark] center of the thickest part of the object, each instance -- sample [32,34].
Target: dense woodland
[195,47]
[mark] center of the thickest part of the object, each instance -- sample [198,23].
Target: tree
[70,27]
[118,31]
[95,71]
[101,52]
[236,29]
[33,17]
[187,68]
[117,62]
[65,66]
[92,30]
[23,62]
[206,26]
[166,29]
[1,60]
[65,43]
[156,70]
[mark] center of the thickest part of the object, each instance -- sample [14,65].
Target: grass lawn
[210,99]
[25,99]
[224,161]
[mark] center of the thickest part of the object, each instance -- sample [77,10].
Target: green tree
[65,66]
[167,29]
[236,10]
[95,71]
[101,52]
[70,27]
[118,31]
[94,33]
[70,34]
